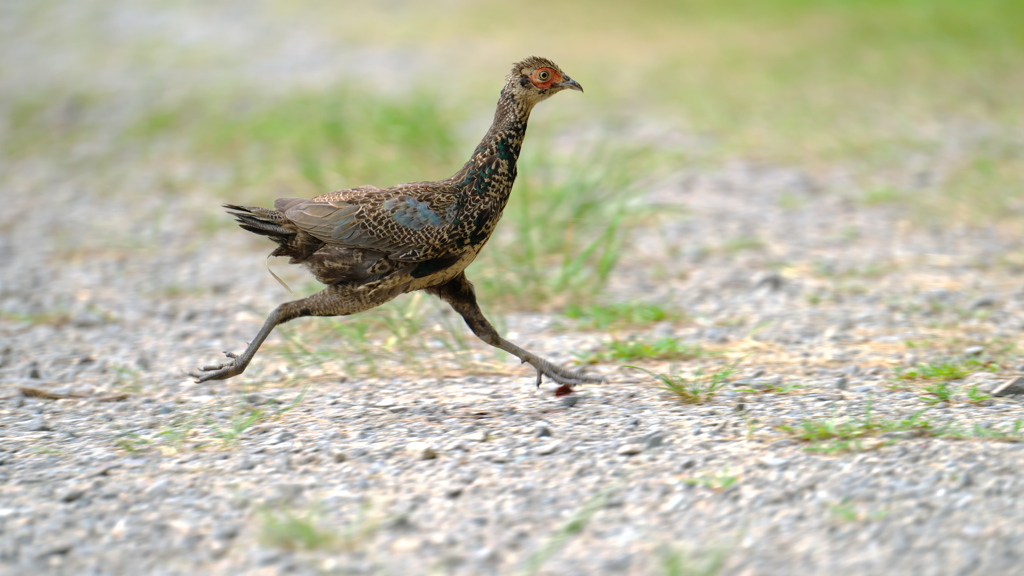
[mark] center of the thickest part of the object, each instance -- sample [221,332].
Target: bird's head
[536,79]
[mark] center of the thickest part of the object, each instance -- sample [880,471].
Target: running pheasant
[369,245]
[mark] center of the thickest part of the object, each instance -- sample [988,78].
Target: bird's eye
[543,75]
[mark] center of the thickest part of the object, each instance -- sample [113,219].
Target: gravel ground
[113,462]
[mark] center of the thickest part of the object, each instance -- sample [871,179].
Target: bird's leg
[237,363]
[331,301]
[458,292]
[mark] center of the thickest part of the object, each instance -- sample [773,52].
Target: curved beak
[570,84]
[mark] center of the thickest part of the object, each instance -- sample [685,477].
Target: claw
[217,371]
[561,375]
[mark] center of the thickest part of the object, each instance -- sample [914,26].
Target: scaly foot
[223,371]
[561,375]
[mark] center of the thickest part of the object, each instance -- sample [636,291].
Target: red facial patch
[550,77]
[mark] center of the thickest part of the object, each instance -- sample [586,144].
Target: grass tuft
[880,196]
[938,392]
[1014,433]
[835,436]
[305,530]
[771,388]
[944,370]
[295,531]
[869,433]
[677,563]
[939,376]
[719,482]
[849,512]
[698,389]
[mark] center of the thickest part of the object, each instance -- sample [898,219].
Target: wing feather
[410,224]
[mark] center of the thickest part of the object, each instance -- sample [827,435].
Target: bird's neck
[492,168]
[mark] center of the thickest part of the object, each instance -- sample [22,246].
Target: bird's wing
[408,223]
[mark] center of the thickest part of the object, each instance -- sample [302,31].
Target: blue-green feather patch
[414,214]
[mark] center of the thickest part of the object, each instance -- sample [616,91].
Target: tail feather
[272,223]
[260,221]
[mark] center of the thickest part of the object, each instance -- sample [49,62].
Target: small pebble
[258,399]
[771,280]
[38,424]
[421,450]
[499,457]
[458,444]
[687,463]
[245,464]
[630,449]
[159,488]
[983,302]
[547,448]
[86,319]
[773,461]
[72,495]
[654,439]
[283,436]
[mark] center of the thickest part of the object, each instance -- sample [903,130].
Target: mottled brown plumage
[369,245]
